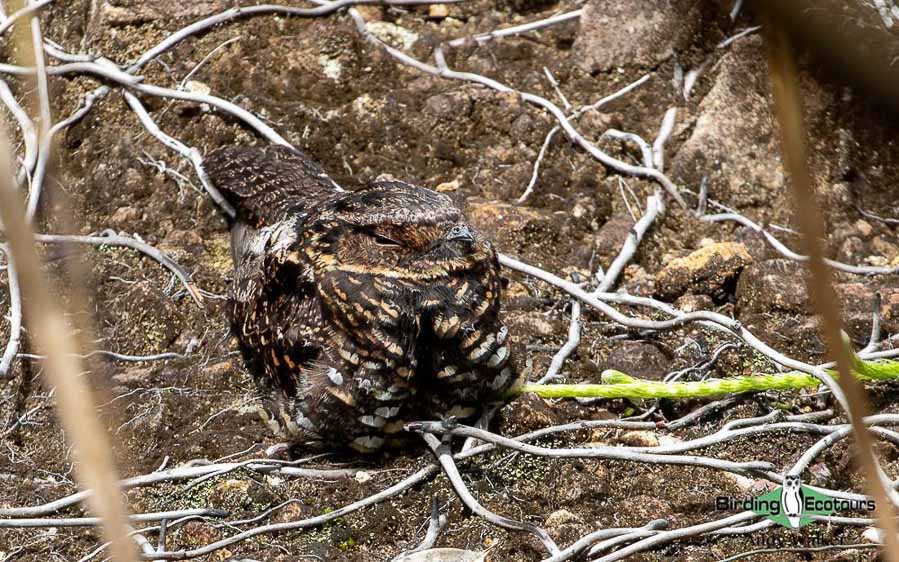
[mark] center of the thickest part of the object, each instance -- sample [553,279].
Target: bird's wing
[263,184]
[276,313]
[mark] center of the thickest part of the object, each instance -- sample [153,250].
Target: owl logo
[791,500]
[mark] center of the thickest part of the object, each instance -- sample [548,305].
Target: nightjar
[357,312]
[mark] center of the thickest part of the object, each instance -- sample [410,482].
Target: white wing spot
[372,421]
[367,443]
[335,376]
[498,357]
[387,412]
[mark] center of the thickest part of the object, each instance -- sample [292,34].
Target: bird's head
[396,230]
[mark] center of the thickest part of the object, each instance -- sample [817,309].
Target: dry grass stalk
[48,329]
[819,279]
[95,467]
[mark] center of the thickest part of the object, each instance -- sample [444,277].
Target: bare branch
[96,467]
[29,134]
[655,207]
[536,173]
[110,238]
[645,149]
[191,154]
[324,8]
[713,320]
[658,147]
[617,453]
[445,457]
[31,8]
[574,338]
[443,71]
[15,316]
[44,153]
[482,38]
[95,521]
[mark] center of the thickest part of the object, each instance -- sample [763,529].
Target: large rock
[642,33]
[733,141]
[549,240]
[889,309]
[858,300]
[528,413]
[773,286]
[772,300]
[773,303]
[611,237]
[638,359]
[707,271]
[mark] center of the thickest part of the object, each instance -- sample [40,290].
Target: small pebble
[438,10]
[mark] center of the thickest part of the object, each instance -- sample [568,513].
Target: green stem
[619,385]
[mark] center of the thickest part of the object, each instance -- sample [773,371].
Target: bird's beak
[461,233]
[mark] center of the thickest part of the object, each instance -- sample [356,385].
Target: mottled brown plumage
[358,311]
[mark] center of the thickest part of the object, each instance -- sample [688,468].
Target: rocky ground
[359,113]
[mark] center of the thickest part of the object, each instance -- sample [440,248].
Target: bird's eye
[460,232]
[385,241]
